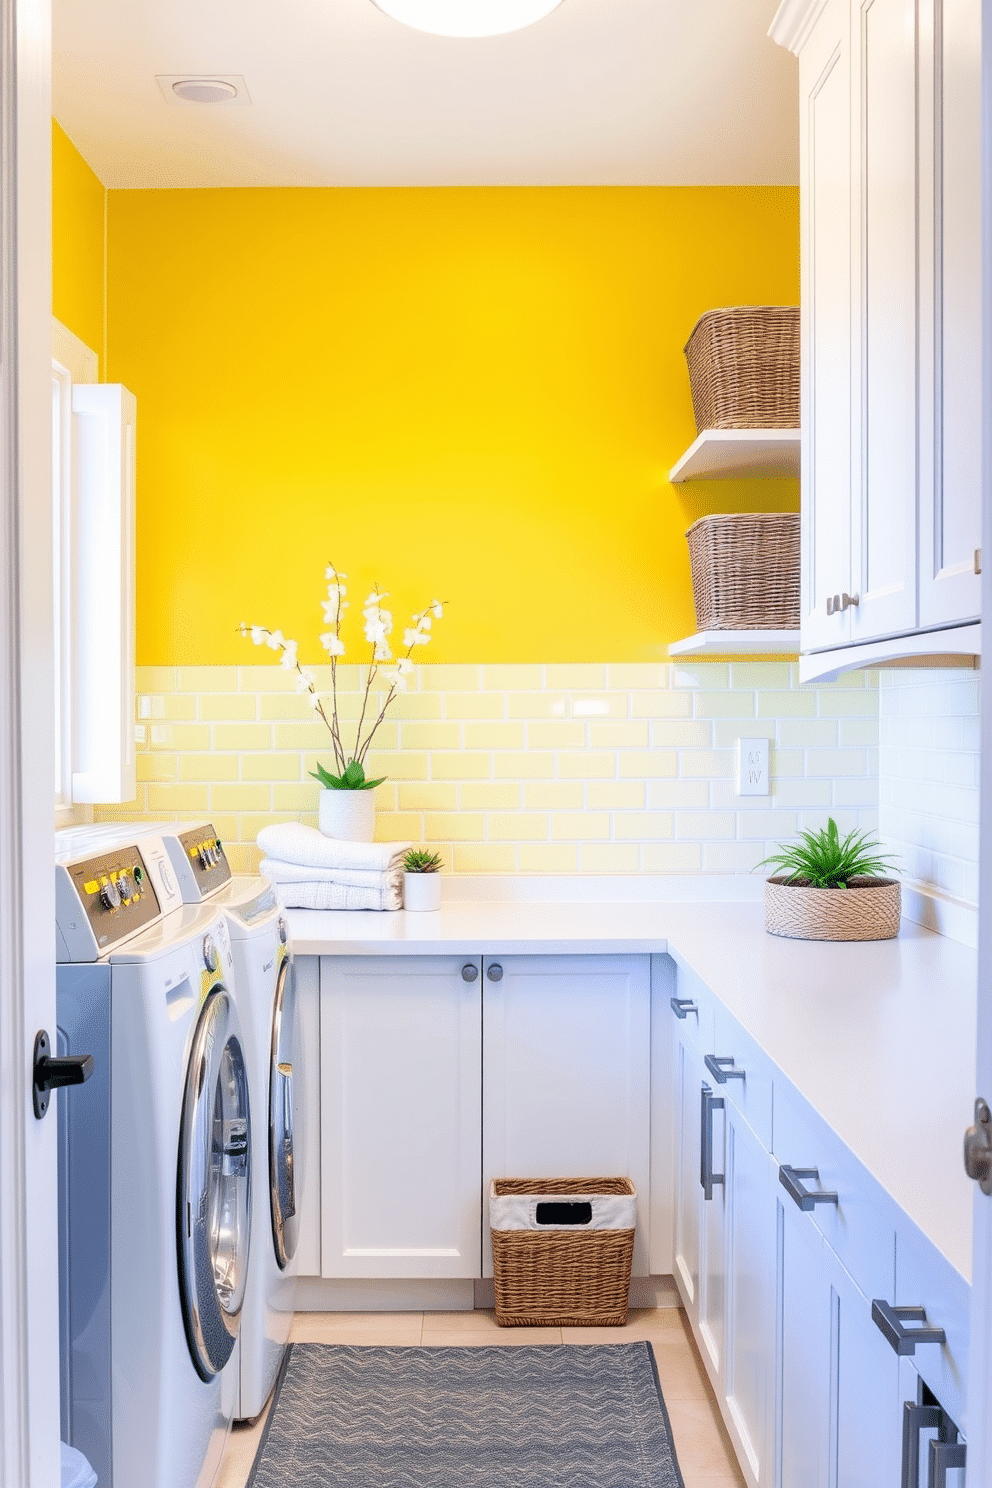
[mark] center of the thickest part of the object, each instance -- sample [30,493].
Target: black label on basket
[563,1214]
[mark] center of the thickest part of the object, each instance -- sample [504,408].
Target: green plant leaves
[353,778]
[823,860]
[420,860]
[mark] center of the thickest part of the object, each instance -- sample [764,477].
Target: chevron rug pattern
[563,1416]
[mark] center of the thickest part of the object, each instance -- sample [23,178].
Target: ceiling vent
[191,88]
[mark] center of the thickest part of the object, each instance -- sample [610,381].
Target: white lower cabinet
[567,1074]
[724,1238]
[400,1116]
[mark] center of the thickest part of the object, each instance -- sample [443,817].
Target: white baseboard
[320,1294]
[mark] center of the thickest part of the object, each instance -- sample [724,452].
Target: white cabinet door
[802,1359]
[566,1076]
[401,1060]
[837,1421]
[749,1334]
[950,326]
[885,433]
[827,393]
[688,1078]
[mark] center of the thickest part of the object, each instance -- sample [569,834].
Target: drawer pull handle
[917,1418]
[723,1067]
[944,1456]
[708,1104]
[683,1005]
[794,1180]
[891,1323]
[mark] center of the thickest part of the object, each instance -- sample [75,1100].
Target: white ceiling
[601,92]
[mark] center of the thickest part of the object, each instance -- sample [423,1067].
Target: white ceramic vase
[348,815]
[421,891]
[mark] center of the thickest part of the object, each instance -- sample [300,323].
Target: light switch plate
[752,767]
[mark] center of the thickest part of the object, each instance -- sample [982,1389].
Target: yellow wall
[78,198]
[474,393]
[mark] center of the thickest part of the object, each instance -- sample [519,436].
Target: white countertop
[879,1037]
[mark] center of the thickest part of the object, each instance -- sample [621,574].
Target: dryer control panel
[200,861]
[102,900]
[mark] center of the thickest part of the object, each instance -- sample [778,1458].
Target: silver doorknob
[978,1147]
[469,971]
[494,972]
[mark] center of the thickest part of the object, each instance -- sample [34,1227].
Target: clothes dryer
[155,1175]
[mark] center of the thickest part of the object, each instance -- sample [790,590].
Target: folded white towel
[323,895]
[356,878]
[76,1471]
[294,842]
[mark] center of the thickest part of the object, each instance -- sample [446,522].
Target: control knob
[110,895]
[127,886]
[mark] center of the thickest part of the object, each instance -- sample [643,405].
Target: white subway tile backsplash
[586,768]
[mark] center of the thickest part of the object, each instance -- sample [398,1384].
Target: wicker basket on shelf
[744,368]
[561,1274]
[745,571]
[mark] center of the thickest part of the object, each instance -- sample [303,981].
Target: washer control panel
[203,854]
[101,901]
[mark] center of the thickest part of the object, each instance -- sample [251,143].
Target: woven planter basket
[868,909]
[745,571]
[744,368]
[562,1278]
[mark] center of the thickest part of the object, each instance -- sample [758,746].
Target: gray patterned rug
[565,1416]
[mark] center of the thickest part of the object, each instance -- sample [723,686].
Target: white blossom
[438,608]
[288,659]
[332,644]
[275,640]
[257,634]
[330,572]
[404,665]
[382,651]
[314,701]
[305,680]
[410,637]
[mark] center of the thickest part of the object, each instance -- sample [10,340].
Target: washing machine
[155,1172]
[263,965]
[267,1002]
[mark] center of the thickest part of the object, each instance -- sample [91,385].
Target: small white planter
[348,815]
[421,891]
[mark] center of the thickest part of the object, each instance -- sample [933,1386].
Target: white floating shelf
[736,454]
[738,643]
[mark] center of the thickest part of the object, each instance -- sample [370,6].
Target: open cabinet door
[979,1468]
[29,1341]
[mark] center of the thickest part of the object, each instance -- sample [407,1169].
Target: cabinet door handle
[708,1104]
[917,1418]
[469,971]
[793,1180]
[847,600]
[723,1067]
[683,1005]
[494,972]
[838,603]
[891,1323]
[944,1456]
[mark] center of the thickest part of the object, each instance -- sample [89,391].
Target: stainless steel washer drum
[213,1187]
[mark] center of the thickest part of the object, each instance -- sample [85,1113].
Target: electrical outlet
[752,767]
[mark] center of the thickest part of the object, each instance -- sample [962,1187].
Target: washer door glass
[282,1181]
[214,1186]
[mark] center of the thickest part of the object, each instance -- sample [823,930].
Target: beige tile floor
[704,1452]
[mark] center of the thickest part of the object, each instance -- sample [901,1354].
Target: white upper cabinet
[890,164]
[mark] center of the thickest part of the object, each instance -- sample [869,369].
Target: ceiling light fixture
[467,17]
[204,90]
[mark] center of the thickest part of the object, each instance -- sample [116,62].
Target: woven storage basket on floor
[868,909]
[745,571]
[553,1278]
[744,368]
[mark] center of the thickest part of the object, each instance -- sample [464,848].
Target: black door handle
[51,1073]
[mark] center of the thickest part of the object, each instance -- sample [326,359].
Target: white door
[566,1075]
[883,566]
[825,213]
[29,1384]
[979,1473]
[400,1112]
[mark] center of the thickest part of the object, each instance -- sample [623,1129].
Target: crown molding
[793,22]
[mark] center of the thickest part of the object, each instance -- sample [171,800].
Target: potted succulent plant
[422,879]
[832,888]
[346,806]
